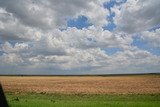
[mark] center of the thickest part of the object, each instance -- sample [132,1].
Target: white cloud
[137,15]
[30,38]
[18,47]
[12,29]
[11,59]
[52,13]
[131,61]
[59,42]
[93,38]
[152,37]
[98,18]
[29,19]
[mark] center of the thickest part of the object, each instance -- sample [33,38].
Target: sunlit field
[82,91]
[80,53]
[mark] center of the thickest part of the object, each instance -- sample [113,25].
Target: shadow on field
[3,101]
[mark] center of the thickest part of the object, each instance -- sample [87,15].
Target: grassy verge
[80,100]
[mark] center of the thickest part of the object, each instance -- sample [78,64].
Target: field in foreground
[91,91]
[79,100]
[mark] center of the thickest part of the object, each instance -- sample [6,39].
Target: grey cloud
[20,19]
[12,29]
[49,14]
[18,47]
[23,10]
[137,15]
[42,48]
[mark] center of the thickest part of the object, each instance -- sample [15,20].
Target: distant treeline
[83,74]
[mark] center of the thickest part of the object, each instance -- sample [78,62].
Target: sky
[79,36]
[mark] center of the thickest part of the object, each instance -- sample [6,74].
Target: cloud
[137,15]
[93,37]
[12,29]
[129,61]
[18,47]
[98,19]
[11,59]
[35,38]
[52,13]
[58,42]
[152,37]
[25,20]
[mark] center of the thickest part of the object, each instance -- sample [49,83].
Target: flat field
[82,91]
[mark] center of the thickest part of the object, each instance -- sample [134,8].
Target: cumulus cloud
[23,20]
[12,29]
[52,13]
[137,15]
[152,37]
[35,38]
[18,47]
[93,37]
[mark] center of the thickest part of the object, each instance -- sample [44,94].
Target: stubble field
[85,91]
[85,85]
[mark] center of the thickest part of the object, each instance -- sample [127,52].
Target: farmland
[87,91]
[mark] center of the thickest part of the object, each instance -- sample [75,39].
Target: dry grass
[87,85]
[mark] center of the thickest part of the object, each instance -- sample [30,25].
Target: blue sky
[83,22]
[79,23]
[144,46]
[83,37]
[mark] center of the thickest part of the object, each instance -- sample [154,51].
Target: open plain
[142,84]
[82,91]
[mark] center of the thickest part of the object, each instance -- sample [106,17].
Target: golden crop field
[147,84]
